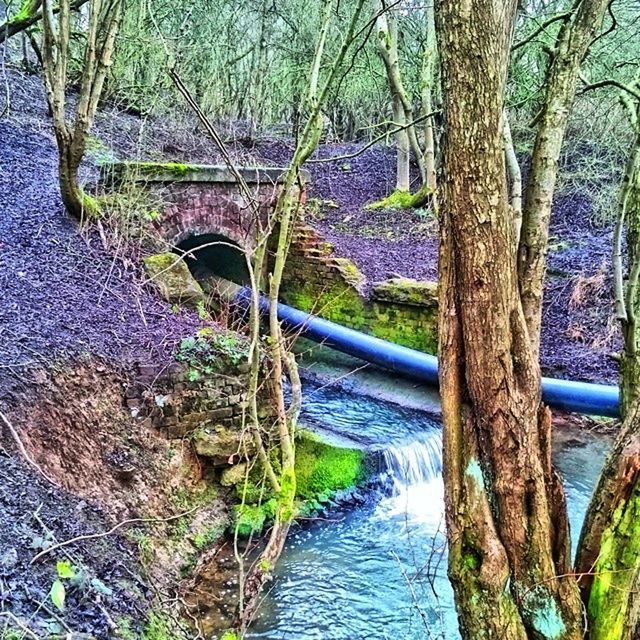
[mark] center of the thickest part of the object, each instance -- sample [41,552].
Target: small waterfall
[414,469]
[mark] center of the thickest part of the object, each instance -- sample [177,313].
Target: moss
[91,208]
[423,293]
[159,628]
[349,270]
[423,339]
[614,572]
[230,635]
[339,303]
[401,199]
[251,518]
[323,469]
[26,11]
[287,494]
[205,539]
[153,168]
[161,261]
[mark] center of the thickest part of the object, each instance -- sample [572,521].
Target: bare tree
[578,30]
[103,22]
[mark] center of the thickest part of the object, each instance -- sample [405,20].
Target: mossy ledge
[323,471]
[138,171]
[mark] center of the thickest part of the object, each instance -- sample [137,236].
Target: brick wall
[165,396]
[193,209]
[399,310]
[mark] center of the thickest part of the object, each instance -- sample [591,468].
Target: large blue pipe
[581,397]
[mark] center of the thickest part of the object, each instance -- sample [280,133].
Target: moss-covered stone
[233,475]
[338,303]
[407,291]
[323,469]
[173,279]
[221,444]
[401,199]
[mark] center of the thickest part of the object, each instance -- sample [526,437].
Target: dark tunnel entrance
[217,257]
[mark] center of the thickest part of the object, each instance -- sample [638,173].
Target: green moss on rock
[401,199]
[323,469]
[406,291]
[173,279]
[251,518]
[339,303]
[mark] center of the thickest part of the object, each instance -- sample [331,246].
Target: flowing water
[379,571]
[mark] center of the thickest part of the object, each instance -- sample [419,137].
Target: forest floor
[579,331]
[65,299]
[44,312]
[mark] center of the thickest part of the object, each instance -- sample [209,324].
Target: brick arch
[195,209]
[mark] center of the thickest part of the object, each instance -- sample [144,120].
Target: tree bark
[506,518]
[515,179]
[572,45]
[609,550]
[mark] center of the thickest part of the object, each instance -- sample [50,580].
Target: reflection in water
[380,571]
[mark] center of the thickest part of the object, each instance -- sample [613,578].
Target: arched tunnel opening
[212,257]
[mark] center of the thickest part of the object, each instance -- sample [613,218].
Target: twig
[24,452]
[25,630]
[562,16]
[52,613]
[94,536]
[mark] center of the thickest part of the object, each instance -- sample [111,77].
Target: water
[379,571]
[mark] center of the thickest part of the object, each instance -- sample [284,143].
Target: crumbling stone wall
[208,410]
[317,281]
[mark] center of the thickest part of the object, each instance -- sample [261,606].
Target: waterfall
[414,471]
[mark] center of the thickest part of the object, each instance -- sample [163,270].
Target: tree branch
[28,19]
[561,16]
[370,144]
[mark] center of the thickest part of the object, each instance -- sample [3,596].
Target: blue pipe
[581,397]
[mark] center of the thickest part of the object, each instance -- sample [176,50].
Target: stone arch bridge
[202,206]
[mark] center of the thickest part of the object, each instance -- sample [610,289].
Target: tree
[404,119]
[610,540]
[506,521]
[578,30]
[406,138]
[103,22]
[506,517]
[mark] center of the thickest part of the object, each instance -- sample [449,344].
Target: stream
[378,570]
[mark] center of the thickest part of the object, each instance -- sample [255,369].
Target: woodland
[234,237]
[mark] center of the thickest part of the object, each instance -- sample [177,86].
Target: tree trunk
[571,47]
[427,81]
[506,518]
[403,177]
[100,40]
[387,41]
[609,550]
[515,180]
